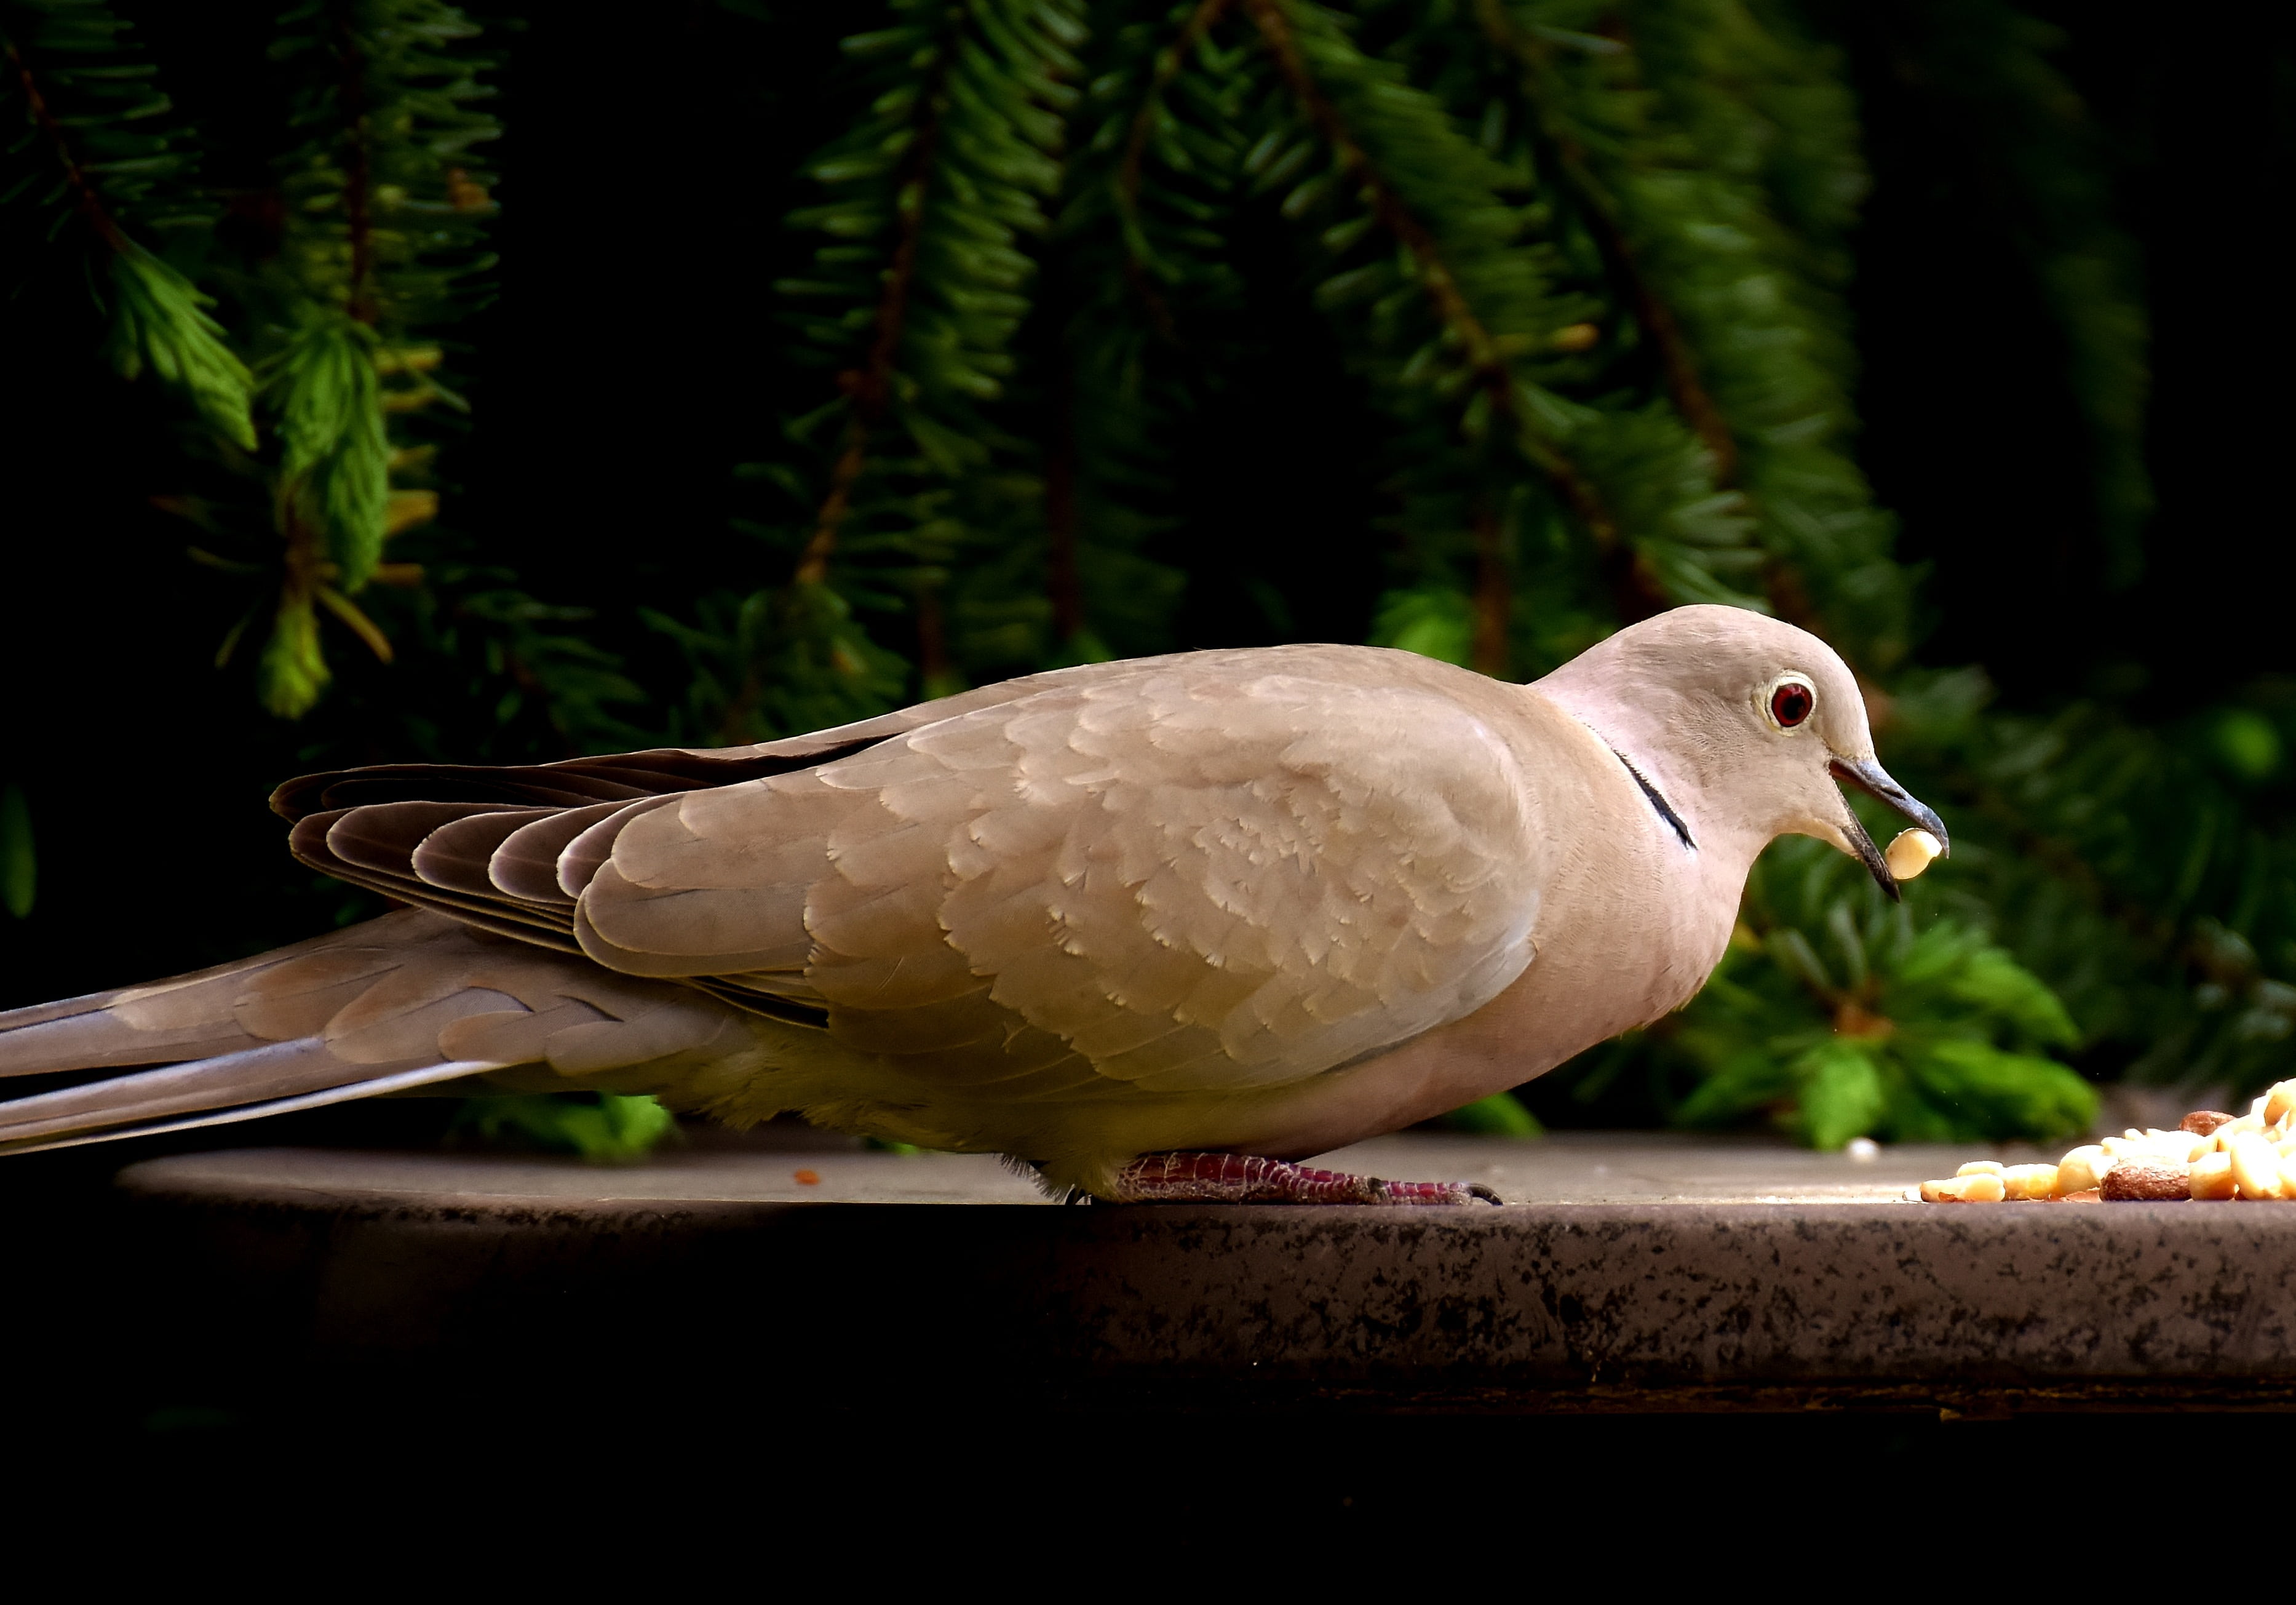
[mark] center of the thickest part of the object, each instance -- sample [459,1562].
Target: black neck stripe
[1665,810]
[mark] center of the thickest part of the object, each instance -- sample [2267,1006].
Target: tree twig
[870,385]
[1492,374]
[358,212]
[1128,170]
[1566,159]
[90,205]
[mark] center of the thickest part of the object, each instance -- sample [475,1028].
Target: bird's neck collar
[1658,800]
[1677,774]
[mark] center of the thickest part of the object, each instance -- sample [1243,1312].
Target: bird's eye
[1790,702]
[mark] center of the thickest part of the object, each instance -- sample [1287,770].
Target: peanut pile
[2209,1155]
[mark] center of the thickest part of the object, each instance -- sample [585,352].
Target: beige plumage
[1260,903]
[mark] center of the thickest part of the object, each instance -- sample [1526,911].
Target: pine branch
[1634,481]
[1492,373]
[359,180]
[869,387]
[1564,157]
[91,205]
[914,304]
[1168,63]
[1142,299]
[89,103]
[385,229]
[1671,141]
[1703,167]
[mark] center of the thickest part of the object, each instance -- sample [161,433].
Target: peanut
[1910,853]
[2029,1180]
[2157,1148]
[2224,1134]
[2255,1166]
[2185,1146]
[1982,1188]
[2212,1176]
[2279,1102]
[2082,1169]
[2203,1122]
[2138,1181]
[1981,1167]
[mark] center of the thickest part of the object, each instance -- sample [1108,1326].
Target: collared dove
[1158,927]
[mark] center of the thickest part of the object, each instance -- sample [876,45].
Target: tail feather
[410,1000]
[152,1124]
[191,1016]
[252,1075]
[62,1008]
[96,1039]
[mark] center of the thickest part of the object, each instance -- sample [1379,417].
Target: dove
[1159,928]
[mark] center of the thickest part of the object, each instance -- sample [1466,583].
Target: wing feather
[1217,870]
[525,866]
[456,857]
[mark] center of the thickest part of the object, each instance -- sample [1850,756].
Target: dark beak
[1869,777]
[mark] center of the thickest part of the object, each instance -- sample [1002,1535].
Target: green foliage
[1837,1017]
[909,308]
[779,662]
[2129,866]
[1501,1115]
[160,321]
[335,458]
[293,668]
[1455,296]
[1433,622]
[602,1127]
[375,233]
[18,864]
[385,201]
[382,227]
[98,157]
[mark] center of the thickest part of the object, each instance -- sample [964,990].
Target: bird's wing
[1220,873]
[629,777]
[1216,869]
[506,849]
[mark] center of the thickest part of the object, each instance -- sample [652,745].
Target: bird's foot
[1248,1179]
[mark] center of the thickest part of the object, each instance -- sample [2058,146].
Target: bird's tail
[407,1001]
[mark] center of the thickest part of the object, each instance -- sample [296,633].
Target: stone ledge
[1630,1269]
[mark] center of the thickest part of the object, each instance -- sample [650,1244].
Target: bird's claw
[1186,1178]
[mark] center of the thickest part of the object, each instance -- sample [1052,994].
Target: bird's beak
[1868,776]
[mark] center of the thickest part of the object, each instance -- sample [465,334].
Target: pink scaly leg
[1248,1179]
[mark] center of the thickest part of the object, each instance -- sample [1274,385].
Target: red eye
[1791,703]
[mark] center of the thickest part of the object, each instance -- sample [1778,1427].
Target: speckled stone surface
[1620,1267]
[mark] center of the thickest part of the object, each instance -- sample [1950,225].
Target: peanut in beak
[1910,853]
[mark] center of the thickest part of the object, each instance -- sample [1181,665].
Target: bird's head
[1745,727]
